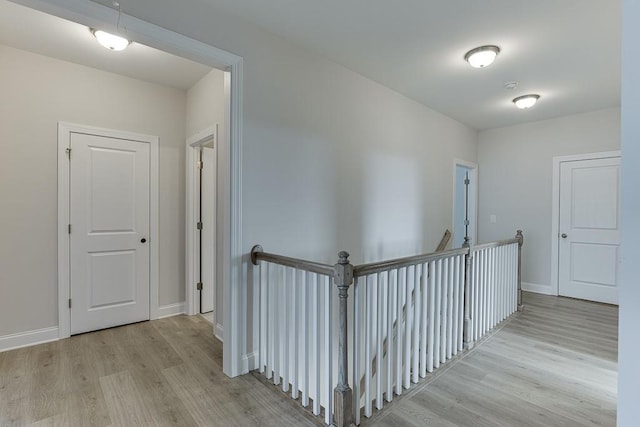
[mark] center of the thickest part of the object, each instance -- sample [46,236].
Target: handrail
[377,267]
[445,241]
[257,254]
[495,244]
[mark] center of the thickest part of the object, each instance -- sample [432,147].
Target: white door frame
[64,197]
[236,358]
[473,199]
[192,237]
[555,209]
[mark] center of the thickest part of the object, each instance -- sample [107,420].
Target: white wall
[205,103]
[331,160]
[515,167]
[206,107]
[629,345]
[37,92]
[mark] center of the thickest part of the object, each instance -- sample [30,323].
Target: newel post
[520,238]
[467,295]
[343,395]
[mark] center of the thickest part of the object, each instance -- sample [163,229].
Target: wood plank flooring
[162,373]
[552,365]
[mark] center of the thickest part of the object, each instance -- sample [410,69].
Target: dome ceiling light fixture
[526,101]
[482,56]
[110,41]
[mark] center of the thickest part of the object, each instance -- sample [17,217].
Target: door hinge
[199,164]
[69,302]
[199,286]
[68,151]
[69,228]
[199,225]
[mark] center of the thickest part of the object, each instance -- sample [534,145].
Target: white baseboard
[219,332]
[171,310]
[250,362]
[29,338]
[537,288]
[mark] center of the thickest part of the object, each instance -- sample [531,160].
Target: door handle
[143,240]
[563,235]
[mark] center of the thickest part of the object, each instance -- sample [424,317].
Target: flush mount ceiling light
[110,41]
[526,101]
[482,56]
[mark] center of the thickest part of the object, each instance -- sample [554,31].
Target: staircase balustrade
[407,317]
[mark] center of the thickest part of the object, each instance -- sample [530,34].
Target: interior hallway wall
[37,92]
[515,168]
[331,160]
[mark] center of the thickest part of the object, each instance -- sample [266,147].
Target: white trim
[473,199]
[171,310]
[64,136]
[29,338]
[219,332]
[192,237]
[537,288]
[250,360]
[96,15]
[555,207]
[235,283]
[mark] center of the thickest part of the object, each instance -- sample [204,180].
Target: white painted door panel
[109,205]
[208,206]
[589,218]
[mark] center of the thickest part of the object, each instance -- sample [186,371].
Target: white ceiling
[33,31]
[567,51]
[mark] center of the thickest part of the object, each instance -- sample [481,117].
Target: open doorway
[465,191]
[171,299]
[201,198]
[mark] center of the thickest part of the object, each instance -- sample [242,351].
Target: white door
[109,210]
[207,236]
[589,229]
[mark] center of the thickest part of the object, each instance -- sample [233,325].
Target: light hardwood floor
[552,365]
[162,373]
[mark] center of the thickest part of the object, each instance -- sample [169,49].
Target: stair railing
[409,316]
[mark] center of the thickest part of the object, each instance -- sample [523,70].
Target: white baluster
[424,285]
[461,272]
[444,310]
[437,315]
[271,325]
[368,335]
[485,291]
[317,338]
[285,347]
[263,267]
[379,339]
[409,274]
[357,342]
[417,316]
[431,300]
[455,301]
[400,329]
[306,334]
[476,293]
[450,304]
[391,303]
[295,325]
[492,287]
